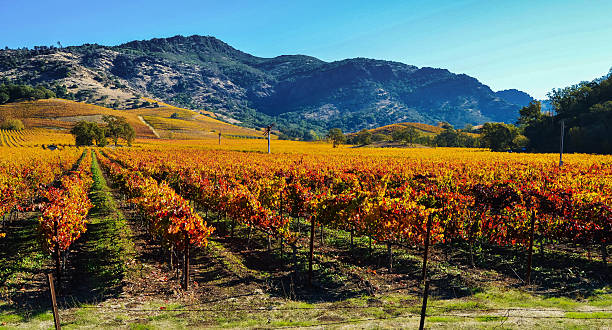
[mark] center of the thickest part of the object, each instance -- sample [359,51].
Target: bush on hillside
[13,124]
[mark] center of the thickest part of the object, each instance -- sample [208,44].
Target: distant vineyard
[34,138]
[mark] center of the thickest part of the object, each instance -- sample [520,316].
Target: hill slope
[296,91]
[164,121]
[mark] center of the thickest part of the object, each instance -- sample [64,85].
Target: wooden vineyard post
[424,306]
[530,255]
[426,250]
[280,213]
[268,132]
[58,256]
[311,254]
[186,264]
[321,234]
[390,253]
[54,302]
[219,138]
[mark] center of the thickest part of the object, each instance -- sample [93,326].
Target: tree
[447,138]
[499,136]
[85,133]
[411,134]
[445,125]
[380,137]
[4,97]
[363,137]
[13,124]
[118,127]
[530,113]
[336,136]
[406,135]
[311,135]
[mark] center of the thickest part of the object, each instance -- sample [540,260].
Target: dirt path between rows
[149,126]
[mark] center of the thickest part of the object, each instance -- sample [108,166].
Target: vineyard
[306,236]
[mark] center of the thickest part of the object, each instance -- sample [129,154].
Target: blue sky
[529,45]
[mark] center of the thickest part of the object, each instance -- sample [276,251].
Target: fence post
[54,302]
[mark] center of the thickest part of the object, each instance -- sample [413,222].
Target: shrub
[13,124]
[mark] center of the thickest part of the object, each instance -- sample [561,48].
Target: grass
[589,315]
[106,244]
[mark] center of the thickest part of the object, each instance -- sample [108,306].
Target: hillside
[422,128]
[515,97]
[62,114]
[297,92]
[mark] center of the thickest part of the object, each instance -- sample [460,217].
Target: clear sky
[533,46]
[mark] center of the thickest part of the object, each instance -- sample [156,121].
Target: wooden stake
[390,253]
[58,257]
[529,257]
[426,251]
[311,255]
[424,306]
[321,234]
[56,318]
[186,264]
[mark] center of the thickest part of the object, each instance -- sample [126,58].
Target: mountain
[514,96]
[300,93]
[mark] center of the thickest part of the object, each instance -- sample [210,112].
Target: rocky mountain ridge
[300,93]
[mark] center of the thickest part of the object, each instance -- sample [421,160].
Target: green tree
[447,138]
[498,136]
[406,135]
[118,127]
[411,134]
[311,135]
[336,136]
[530,113]
[4,97]
[380,137]
[85,133]
[363,137]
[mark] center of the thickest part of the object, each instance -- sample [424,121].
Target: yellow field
[324,149]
